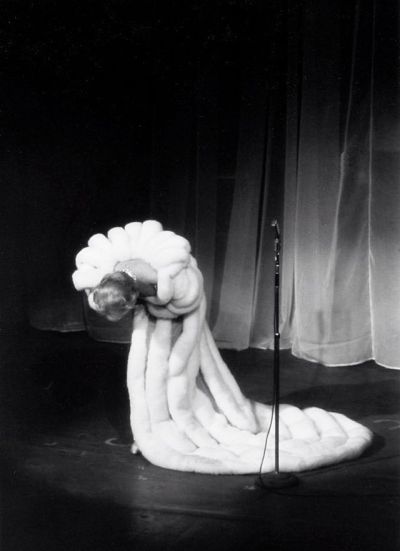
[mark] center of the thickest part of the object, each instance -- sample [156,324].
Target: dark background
[101,103]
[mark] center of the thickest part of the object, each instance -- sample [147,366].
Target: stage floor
[70,482]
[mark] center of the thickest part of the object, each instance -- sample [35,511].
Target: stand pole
[277,337]
[277,479]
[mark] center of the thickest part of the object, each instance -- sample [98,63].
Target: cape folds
[187,411]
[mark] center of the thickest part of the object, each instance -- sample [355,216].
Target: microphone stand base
[271,481]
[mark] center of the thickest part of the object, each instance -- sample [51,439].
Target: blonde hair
[115,295]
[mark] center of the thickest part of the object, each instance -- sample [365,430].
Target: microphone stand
[277,479]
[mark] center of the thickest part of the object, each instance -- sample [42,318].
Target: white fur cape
[187,411]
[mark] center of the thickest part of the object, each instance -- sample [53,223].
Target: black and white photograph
[200,275]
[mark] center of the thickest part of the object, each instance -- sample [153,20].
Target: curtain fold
[384,171]
[344,205]
[232,328]
[332,315]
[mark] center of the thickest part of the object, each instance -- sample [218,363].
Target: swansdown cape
[187,411]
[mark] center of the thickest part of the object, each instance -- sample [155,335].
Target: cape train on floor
[187,411]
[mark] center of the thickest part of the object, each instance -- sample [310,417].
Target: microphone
[276,480]
[275,225]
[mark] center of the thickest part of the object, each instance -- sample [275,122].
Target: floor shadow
[36,518]
[63,383]
[353,400]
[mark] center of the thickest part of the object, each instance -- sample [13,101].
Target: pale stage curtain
[289,112]
[341,221]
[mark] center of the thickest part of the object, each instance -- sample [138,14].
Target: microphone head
[275,225]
